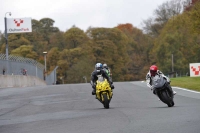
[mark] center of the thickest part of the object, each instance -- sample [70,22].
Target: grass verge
[192,83]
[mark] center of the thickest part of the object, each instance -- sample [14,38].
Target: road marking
[186,90]
[182,89]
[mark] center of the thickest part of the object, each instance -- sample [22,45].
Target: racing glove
[152,88]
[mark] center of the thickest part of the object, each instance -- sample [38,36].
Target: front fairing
[103,87]
[158,81]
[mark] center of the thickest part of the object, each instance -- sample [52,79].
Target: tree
[188,4]
[47,25]
[58,40]
[83,67]
[36,26]
[138,49]
[195,16]
[52,58]
[25,51]
[178,39]
[126,28]
[162,14]
[16,40]
[108,40]
[75,37]
[168,10]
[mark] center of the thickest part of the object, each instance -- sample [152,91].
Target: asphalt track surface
[71,108]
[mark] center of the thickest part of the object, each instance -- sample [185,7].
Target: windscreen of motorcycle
[100,78]
[158,81]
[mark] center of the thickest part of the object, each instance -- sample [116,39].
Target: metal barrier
[16,65]
[51,78]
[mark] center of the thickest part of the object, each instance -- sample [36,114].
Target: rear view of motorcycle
[103,91]
[162,90]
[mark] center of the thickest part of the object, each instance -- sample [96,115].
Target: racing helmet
[105,66]
[98,67]
[153,70]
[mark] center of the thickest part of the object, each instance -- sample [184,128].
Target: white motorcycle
[161,89]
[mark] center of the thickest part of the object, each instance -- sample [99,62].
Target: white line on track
[181,89]
[185,89]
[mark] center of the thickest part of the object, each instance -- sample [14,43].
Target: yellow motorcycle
[103,91]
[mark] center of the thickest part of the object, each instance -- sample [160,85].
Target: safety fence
[52,78]
[16,65]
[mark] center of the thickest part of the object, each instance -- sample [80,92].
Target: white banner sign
[19,25]
[194,69]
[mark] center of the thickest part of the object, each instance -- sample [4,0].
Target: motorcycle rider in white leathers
[154,71]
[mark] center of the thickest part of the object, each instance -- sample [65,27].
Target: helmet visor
[98,68]
[153,72]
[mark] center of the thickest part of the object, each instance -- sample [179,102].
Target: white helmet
[105,66]
[98,67]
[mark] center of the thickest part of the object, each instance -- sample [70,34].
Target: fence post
[55,76]
[36,71]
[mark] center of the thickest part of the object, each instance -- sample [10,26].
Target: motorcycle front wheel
[106,101]
[167,99]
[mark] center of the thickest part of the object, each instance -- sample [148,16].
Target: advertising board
[194,69]
[19,25]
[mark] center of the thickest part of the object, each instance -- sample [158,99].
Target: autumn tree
[177,39]
[188,4]
[138,49]
[25,51]
[74,37]
[58,40]
[52,58]
[110,44]
[195,16]
[17,40]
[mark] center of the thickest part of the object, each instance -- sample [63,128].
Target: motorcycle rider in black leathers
[153,70]
[99,71]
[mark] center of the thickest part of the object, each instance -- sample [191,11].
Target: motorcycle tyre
[171,103]
[106,101]
[167,99]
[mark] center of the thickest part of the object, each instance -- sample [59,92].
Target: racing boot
[93,91]
[174,93]
[112,86]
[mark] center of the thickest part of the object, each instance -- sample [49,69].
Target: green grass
[192,83]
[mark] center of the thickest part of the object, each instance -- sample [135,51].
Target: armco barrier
[20,81]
